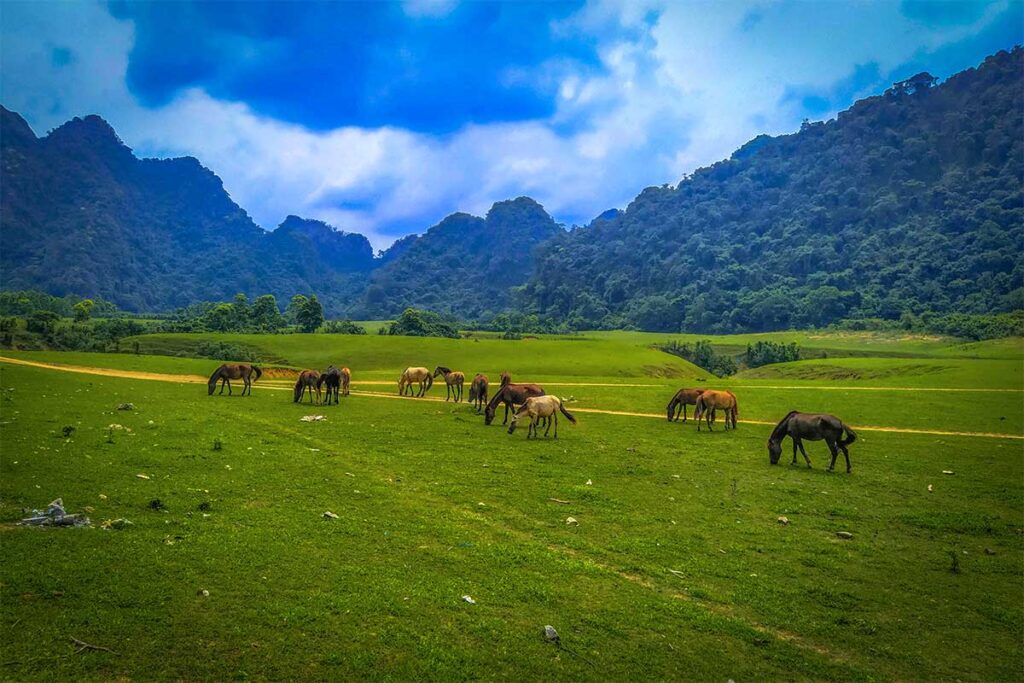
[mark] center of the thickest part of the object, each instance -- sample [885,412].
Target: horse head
[512,423]
[774,451]
[488,414]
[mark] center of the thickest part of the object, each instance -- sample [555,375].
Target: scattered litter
[118,428]
[330,515]
[783,520]
[844,534]
[947,471]
[119,524]
[55,515]
[989,551]
[349,474]
[675,476]
[571,521]
[315,450]
[142,476]
[126,406]
[203,593]
[559,500]
[470,600]
[483,505]
[930,489]
[677,573]
[589,483]
[157,504]
[551,635]
[312,418]
[103,496]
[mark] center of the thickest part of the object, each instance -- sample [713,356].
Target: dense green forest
[905,204]
[906,211]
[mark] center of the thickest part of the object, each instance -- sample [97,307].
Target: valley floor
[677,567]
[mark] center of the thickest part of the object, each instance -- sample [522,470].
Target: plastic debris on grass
[126,406]
[469,599]
[846,535]
[118,524]
[783,520]
[55,515]
[571,521]
[330,515]
[551,635]
[312,418]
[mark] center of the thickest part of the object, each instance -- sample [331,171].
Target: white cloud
[675,94]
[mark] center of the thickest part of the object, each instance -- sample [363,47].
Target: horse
[539,408]
[230,371]
[511,395]
[813,427]
[308,380]
[331,377]
[346,380]
[677,405]
[420,375]
[710,401]
[453,379]
[478,391]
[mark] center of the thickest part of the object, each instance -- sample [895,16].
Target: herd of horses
[530,401]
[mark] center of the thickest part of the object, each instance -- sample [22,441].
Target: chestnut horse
[346,380]
[308,380]
[478,392]
[419,375]
[453,380]
[813,427]
[230,371]
[710,401]
[683,398]
[511,395]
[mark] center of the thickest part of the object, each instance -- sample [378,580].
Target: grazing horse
[478,392]
[419,375]
[813,427]
[331,377]
[308,380]
[711,401]
[453,379]
[539,408]
[511,395]
[229,371]
[683,398]
[346,380]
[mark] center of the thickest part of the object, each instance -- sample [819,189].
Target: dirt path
[196,379]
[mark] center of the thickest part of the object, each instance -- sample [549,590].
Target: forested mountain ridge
[464,265]
[81,214]
[907,202]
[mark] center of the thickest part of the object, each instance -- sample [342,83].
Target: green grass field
[677,570]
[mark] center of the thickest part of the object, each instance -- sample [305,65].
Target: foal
[539,408]
[478,392]
[453,380]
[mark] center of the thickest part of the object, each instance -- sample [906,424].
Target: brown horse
[541,408]
[478,392]
[453,379]
[346,380]
[683,398]
[230,371]
[813,427]
[331,377]
[511,395]
[419,375]
[710,401]
[308,380]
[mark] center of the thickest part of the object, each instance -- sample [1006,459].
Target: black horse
[331,377]
[813,427]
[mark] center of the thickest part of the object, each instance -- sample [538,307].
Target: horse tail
[259,373]
[851,435]
[473,391]
[297,393]
[561,407]
[430,381]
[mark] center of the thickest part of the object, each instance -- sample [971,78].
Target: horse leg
[229,385]
[801,445]
[222,383]
[835,454]
[556,425]
[794,451]
[846,454]
[683,406]
[506,413]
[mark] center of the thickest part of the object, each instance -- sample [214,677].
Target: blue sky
[382,118]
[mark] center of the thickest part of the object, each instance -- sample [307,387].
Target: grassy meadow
[678,568]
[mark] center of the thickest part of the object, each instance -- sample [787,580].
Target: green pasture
[677,570]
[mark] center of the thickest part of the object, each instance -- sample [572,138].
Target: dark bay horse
[683,398]
[511,395]
[332,379]
[308,380]
[229,371]
[478,392]
[813,427]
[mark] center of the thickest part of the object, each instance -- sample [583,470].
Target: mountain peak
[92,129]
[13,128]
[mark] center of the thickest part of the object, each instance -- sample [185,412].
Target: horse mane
[215,375]
[299,386]
[443,370]
[776,434]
